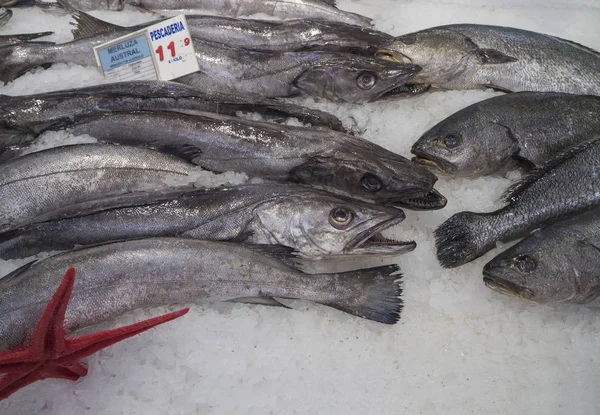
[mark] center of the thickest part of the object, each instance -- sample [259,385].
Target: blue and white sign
[161,51]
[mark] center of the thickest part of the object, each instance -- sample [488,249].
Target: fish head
[466,144]
[442,53]
[386,179]
[319,224]
[546,269]
[355,79]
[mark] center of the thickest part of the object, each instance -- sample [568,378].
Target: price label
[162,51]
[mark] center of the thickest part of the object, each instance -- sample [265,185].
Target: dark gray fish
[14,39]
[318,157]
[470,56]
[5,16]
[116,278]
[22,117]
[67,180]
[335,76]
[563,187]
[283,9]
[288,36]
[557,264]
[313,222]
[529,127]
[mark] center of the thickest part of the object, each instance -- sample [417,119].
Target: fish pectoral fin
[87,25]
[285,254]
[187,152]
[331,3]
[13,277]
[497,88]
[493,57]
[270,301]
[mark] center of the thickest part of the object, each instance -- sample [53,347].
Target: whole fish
[14,39]
[288,36]
[282,9]
[223,69]
[335,76]
[22,117]
[5,16]
[471,56]
[563,187]
[318,157]
[527,127]
[115,278]
[313,222]
[67,180]
[557,264]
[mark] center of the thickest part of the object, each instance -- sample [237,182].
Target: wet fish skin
[567,186]
[557,264]
[282,214]
[470,56]
[288,36]
[113,279]
[283,9]
[318,157]
[24,117]
[65,180]
[5,16]
[335,76]
[530,127]
[14,39]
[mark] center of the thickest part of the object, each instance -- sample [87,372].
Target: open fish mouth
[506,287]
[432,200]
[406,89]
[392,56]
[372,241]
[428,163]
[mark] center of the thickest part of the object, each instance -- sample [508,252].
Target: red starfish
[50,354]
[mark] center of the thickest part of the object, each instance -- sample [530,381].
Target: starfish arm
[81,347]
[11,383]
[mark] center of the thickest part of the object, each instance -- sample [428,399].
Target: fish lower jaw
[428,163]
[379,244]
[507,288]
[392,56]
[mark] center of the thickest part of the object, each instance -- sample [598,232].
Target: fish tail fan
[462,238]
[372,293]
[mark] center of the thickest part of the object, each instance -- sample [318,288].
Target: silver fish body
[566,186]
[66,180]
[115,278]
[338,162]
[559,264]
[470,56]
[282,9]
[25,116]
[487,136]
[8,40]
[288,36]
[313,222]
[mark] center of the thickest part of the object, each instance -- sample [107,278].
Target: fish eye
[371,182]
[451,141]
[525,263]
[340,217]
[407,39]
[366,80]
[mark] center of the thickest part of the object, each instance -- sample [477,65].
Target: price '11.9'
[171,47]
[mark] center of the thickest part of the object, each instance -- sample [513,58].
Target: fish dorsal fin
[575,44]
[86,26]
[331,3]
[13,277]
[514,191]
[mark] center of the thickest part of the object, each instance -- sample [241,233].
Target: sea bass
[113,279]
[22,117]
[66,180]
[557,264]
[527,127]
[282,9]
[565,186]
[318,157]
[288,36]
[313,222]
[470,56]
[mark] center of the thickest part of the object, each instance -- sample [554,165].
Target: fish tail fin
[462,238]
[375,293]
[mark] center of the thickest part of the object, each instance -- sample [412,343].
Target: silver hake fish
[115,278]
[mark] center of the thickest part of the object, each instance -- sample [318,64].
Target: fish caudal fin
[375,294]
[462,238]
